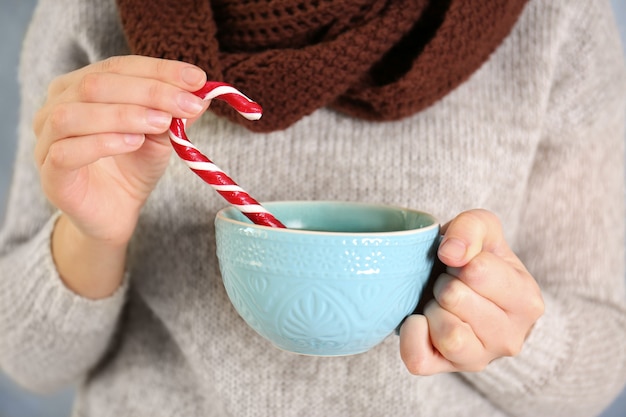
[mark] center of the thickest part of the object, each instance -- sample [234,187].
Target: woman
[507,119]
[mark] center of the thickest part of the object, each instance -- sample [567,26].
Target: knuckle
[487,216]
[90,86]
[58,118]
[451,294]
[56,156]
[481,218]
[112,64]
[473,216]
[154,92]
[475,269]
[100,146]
[512,347]
[161,67]
[453,342]
[104,145]
[55,86]
[535,307]
[124,116]
[511,341]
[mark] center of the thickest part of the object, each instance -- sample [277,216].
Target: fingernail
[158,119]
[193,76]
[452,249]
[133,139]
[189,103]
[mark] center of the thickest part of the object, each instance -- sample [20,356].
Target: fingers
[416,350]
[496,300]
[116,90]
[483,307]
[440,341]
[101,143]
[470,233]
[496,280]
[474,249]
[456,297]
[73,120]
[179,74]
[455,340]
[73,153]
[464,316]
[148,82]
[102,87]
[131,95]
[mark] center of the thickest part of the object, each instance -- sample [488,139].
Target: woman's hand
[483,308]
[102,147]
[102,139]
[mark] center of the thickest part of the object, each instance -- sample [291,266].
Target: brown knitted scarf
[372,59]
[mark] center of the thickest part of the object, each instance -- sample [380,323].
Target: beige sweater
[536,135]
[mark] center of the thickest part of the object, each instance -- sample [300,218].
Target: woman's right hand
[102,139]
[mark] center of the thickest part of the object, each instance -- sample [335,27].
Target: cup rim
[435,222]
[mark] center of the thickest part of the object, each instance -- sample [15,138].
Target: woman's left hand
[483,308]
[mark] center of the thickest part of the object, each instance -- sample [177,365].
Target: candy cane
[206,169]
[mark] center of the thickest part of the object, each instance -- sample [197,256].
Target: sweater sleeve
[572,235]
[49,336]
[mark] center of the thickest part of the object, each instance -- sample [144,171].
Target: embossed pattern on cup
[336,291]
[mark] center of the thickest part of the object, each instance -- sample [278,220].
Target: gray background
[14,16]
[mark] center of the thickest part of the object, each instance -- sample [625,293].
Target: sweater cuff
[40,297]
[536,364]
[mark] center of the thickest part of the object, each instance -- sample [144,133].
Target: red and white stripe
[206,169]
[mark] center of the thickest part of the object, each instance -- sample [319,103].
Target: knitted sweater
[535,135]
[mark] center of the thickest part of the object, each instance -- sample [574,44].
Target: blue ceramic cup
[337,281]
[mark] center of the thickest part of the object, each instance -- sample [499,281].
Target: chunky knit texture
[373,59]
[536,135]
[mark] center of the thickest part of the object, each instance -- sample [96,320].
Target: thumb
[468,234]
[192,120]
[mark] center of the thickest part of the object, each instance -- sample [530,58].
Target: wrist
[90,267]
